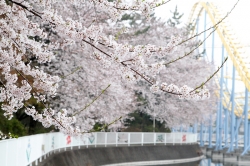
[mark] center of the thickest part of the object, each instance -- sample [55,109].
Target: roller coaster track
[234,50]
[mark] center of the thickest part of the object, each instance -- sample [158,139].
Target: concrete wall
[110,155]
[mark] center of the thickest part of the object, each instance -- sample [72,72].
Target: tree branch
[26,8]
[192,49]
[103,91]
[201,86]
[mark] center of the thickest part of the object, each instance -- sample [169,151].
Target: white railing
[205,138]
[26,150]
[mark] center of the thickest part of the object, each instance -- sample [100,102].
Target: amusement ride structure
[232,124]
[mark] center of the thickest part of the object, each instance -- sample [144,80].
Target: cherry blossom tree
[23,40]
[190,71]
[73,100]
[85,79]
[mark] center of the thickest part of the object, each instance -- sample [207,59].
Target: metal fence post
[116,139]
[106,139]
[71,144]
[154,138]
[128,139]
[173,138]
[165,138]
[59,148]
[65,147]
[142,138]
[87,142]
[79,142]
[181,138]
[95,139]
[16,152]
[6,154]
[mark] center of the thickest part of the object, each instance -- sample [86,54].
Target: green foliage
[127,17]
[175,18]
[139,121]
[22,124]
[142,31]
[136,21]
[13,126]
[143,123]
[190,27]
[32,126]
[99,127]
[7,2]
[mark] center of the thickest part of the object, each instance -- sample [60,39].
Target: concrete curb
[161,162]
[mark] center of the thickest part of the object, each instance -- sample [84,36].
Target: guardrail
[205,139]
[24,151]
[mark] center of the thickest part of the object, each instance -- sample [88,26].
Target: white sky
[239,19]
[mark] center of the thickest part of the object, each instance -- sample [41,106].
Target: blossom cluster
[131,58]
[19,80]
[116,8]
[61,120]
[22,40]
[183,92]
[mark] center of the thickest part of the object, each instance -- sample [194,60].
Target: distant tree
[11,128]
[175,20]
[141,122]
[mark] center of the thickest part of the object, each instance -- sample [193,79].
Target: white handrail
[24,151]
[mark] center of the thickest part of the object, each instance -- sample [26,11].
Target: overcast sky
[239,19]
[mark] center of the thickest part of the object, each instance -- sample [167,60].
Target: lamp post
[154,122]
